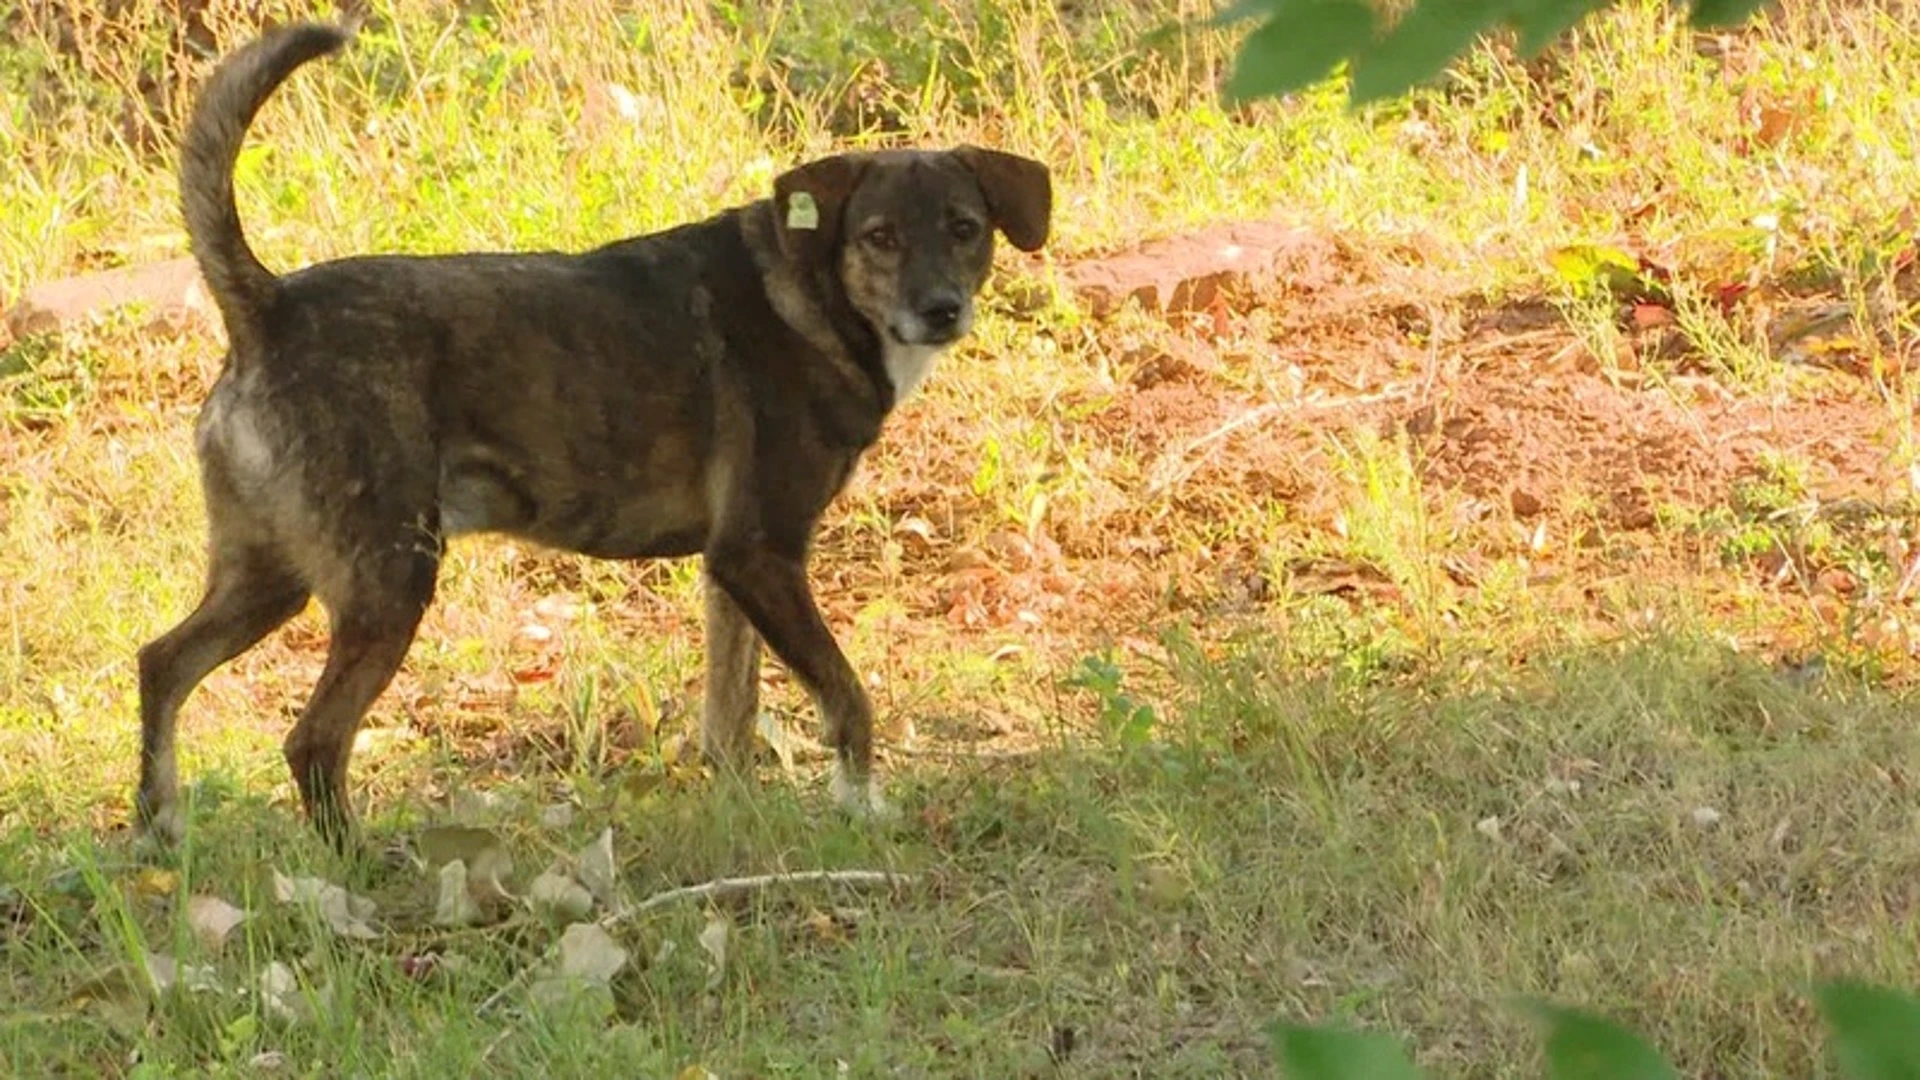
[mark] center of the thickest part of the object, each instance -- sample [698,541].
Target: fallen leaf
[473,806]
[589,954]
[559,896]
[1648,316]
[595,867]
[826,928]
[455,906]
[778,737]
[713,939]
[154,883]
[267,1061]
[343,912]
[164,973]
[279,990]
[212,919]
[484,852]
[486,866]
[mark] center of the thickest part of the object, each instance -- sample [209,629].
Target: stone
[172,291]
[1188,272]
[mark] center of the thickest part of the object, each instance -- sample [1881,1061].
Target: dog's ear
[810,200]
[1019,194]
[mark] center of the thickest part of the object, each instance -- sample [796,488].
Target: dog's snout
[940,314]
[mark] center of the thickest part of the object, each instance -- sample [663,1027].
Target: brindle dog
[704,390]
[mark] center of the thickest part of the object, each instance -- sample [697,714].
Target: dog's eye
[883,238]
[964,229]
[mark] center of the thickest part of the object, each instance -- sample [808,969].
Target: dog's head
[910,233]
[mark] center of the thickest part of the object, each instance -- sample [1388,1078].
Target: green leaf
[1299,46]
[1421,45]
[1708,14]
[1322,1053]
[1596,266]
[1541,22]
[1581,1046]
[1876,1031]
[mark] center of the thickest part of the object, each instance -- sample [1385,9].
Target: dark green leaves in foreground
[1876,1031]
[1299,42]
[1581,1046]
[1299,45]
[1875,1036]
[1334,1054]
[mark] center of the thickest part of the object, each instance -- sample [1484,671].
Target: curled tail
[240,284]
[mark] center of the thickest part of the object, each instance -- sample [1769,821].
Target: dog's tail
[240,284]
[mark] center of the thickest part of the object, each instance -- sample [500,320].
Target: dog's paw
[163,824]
[861,801]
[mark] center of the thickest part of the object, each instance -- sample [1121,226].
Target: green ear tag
[802,213]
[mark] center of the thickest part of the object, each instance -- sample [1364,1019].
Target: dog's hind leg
[249,594]
[733,681]
[375,608]
[771,589]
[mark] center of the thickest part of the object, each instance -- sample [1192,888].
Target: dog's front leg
[733,681]
[770,587]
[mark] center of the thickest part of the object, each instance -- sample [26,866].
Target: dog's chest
[908,366]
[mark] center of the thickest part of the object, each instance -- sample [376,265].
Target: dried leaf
[212,919]
[595,867]
[589,954]
[779,738]
[455,906]
[559,896]
[713,938]
[153,883]
[279,992]
[164,973]
[343,912]
[475,805]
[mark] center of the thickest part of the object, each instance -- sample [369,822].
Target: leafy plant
[1300,42]
[1873,1039]
[1130,722]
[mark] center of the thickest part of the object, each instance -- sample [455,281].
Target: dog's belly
[661,522]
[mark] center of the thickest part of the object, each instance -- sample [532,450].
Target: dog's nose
[940,314]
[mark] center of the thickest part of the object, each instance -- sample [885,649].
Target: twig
[734,886]
[1174,467]
[718,887]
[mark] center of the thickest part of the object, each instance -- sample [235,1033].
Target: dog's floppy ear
[810,200]
[1019,194]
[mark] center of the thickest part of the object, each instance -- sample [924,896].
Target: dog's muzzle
[938,321]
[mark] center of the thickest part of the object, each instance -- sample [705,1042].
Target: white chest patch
[908,366]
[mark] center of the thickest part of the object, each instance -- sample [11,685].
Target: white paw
[862,801]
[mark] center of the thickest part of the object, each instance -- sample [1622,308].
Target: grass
[1192,731]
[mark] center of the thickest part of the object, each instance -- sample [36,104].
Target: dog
[705,390]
